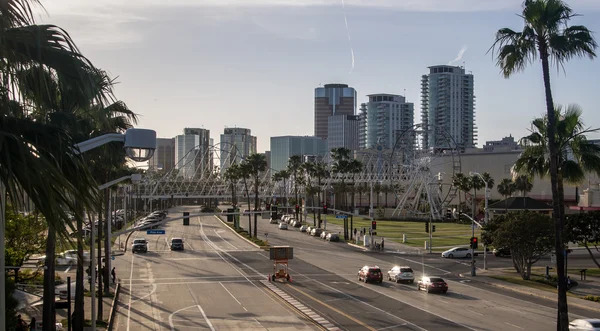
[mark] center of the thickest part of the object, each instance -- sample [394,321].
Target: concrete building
[384,119]
[164,156]
[282,148]
[236,143]
[332,99]
[343,132]
[448,108]
[193,153]
[506,144]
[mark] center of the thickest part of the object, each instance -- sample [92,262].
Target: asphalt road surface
[198,288]
[471,306]
[215,284]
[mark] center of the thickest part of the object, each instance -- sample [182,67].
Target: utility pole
[371,215]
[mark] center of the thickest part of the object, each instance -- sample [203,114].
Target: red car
[370,274]
[432,284]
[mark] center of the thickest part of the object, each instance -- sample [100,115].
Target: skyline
[218,64]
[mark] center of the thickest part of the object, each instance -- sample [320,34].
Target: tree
[523,183]
[529,235]
[284,176]
[295,169]
[245,173]
[341,165]
[584,229]
[547,36]
[506,188]
[463,184]
[24,235]
[256,164]
[232,176]
[354,167]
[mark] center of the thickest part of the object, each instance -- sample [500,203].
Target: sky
[255,63]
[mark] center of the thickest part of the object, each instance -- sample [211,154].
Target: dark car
[139,245]
[176,244]
[502,251]
[370,274]
[432,284]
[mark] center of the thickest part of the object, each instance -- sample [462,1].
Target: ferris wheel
[423,173]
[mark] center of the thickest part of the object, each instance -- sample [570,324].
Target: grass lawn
[446,234]
[537,281]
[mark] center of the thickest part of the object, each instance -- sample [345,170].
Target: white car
[65,258]
[401,274]
[585,324]
[457,252]
[282,226]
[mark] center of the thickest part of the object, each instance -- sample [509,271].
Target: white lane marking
[381,310]
[147,295]
[69,268]
[391,327]
[475,312]
[194,258]
[227,241]
[199,277]
[130,292]
[515,326]
[234,298]
[204,282]
[206,318]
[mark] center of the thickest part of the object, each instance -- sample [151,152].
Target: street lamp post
[486,215]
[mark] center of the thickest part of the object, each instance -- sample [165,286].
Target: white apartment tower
[193,157]
[448,108]
[383,120]
[236,143]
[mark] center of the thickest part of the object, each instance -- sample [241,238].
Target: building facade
[193,153]
[448,108]
[506,144]
[164,155]
[343,132]
[332,99]
[384,119]
[236,144]
[284,147]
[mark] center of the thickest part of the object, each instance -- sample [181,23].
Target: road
[202,287]
[470,306]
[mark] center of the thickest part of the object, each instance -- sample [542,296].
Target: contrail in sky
[460,55]
[349,39]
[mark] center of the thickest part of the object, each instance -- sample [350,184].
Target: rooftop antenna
[404,93]
[464,64]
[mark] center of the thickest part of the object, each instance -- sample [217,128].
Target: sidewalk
[390,246]
[591,286]
[32,306]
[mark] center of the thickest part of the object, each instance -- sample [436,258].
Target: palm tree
[256,164]
[354,167]
[463,184]
[321,172]
[232,176]
[523,184]
[547,35]
[341,164]
[295,169]
[282,175]
[245,173]
[506,188]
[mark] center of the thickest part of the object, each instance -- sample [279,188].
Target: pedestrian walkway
[32,306]
[390,246]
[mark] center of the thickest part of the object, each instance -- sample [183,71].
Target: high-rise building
[284,147]
[236,143]
[332,99]
[193,153]
[384,119]
[343,132]
[448,108]
[164,155]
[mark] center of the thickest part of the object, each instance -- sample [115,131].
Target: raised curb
[537,293]
[113,308]
[239,235]
[316,318]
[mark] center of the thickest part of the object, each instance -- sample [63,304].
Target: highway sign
[341,216]
[155,232]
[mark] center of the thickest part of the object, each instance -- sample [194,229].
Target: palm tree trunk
[320,202]
[78,316]
[249,215]
[100,274]
[49,309]
[256,205]
[557,197]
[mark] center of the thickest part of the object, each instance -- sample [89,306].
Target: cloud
[459,55]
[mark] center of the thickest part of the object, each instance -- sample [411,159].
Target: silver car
[401,274]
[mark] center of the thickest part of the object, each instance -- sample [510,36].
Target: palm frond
[17,12]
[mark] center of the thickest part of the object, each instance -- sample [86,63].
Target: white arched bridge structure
[419,180]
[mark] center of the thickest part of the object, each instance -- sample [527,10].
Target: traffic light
[297,209]
[426,227]
[325,209]
[473,243]
[433,228]
[374,225]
